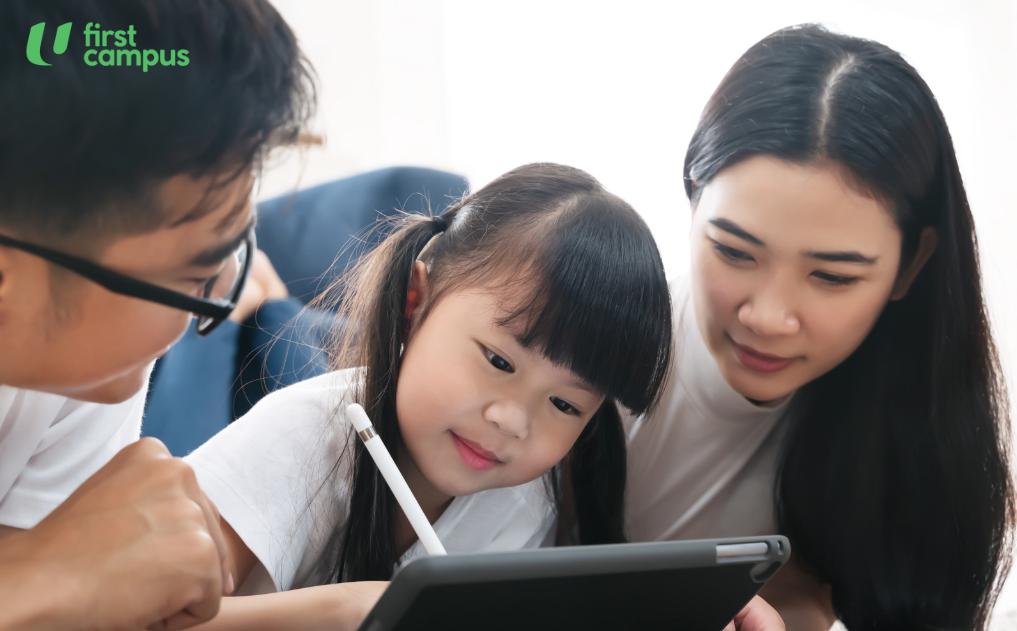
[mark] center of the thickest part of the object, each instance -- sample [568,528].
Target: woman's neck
[432,501]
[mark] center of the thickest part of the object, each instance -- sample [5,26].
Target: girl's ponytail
[378,297]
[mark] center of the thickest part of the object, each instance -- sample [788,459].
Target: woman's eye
[564,406]
[834,279]
[498,361]
[730,253]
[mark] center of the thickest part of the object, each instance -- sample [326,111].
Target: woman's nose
[509,417]
[769,313]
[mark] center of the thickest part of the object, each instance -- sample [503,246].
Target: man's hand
[756,616]
[137,545]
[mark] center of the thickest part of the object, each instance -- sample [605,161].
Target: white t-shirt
[50,444]
[703,463]
[273,475]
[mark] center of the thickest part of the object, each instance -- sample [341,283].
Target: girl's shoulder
[324,395]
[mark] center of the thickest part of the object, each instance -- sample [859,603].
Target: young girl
[836,377]
[490,346]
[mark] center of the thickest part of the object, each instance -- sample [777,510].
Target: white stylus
[396,482]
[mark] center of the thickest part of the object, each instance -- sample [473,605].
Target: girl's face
[477,410]
[791,267]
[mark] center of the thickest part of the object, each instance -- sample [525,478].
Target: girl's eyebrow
[831,257]
[576,382]
[582,385]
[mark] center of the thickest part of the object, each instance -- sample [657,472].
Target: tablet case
[687,585]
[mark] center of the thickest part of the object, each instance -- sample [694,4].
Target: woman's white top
[702,464]
[279,476]
[50,444]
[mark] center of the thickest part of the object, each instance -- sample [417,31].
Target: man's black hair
[83,146]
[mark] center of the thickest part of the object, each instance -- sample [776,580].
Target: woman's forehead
[798,205]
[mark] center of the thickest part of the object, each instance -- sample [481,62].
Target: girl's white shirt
[703,463]
[279,476]
[50,444]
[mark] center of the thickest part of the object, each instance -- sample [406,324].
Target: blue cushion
[303,234]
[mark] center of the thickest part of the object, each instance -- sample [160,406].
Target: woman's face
[476,409]
[791,267]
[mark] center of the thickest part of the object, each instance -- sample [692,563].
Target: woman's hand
[756,616]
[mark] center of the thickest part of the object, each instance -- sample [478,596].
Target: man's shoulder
[21,407]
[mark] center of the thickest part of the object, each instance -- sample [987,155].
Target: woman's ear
[926,246]
[417,292]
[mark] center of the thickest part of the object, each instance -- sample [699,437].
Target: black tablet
[688,585]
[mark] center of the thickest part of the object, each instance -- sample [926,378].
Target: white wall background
[481,86]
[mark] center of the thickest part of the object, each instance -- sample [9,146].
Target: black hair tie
[440,225]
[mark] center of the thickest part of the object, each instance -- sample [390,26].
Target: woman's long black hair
[894,484]
[579,270]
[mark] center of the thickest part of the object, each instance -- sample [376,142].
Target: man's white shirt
[50,444]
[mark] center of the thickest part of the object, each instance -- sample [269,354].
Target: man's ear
[926,246]
[417,292]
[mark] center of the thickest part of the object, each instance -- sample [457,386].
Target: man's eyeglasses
[219,296]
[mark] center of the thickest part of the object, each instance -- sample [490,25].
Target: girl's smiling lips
[761,362]
[473,454]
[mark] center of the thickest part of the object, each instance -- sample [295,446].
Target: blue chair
[202,384]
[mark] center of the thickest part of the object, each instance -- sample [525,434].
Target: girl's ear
[417,292]
[926,246]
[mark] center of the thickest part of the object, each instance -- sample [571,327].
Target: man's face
[63,334]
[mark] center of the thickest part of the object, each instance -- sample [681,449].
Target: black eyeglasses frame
[210,312]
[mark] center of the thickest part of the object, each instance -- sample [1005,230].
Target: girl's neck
[432,501]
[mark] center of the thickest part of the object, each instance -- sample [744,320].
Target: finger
[181,620]
[215,530]
[758,615]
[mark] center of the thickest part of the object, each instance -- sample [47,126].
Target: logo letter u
[34,49]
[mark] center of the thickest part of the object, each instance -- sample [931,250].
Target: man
[125,182]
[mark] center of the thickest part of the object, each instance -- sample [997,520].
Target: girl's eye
[564,406]
[731,254]
[498,361]
[834,279]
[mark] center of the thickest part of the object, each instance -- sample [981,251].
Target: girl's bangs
[597,305]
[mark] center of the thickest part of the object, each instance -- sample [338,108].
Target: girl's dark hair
[578,269]
[894,484]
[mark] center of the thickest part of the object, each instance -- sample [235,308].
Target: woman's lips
[761,362]
[473,454]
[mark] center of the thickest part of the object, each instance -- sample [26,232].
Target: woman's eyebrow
[731,227]
[831,257]
[841,257]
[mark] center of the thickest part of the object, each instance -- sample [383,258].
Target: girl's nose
[769,313]
[509,418]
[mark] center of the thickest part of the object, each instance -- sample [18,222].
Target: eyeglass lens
[225,286]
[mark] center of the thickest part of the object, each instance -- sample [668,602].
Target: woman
[835,379]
